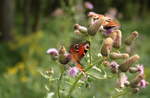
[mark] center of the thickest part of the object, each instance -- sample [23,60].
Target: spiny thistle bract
[112,57]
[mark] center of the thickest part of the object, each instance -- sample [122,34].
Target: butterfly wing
[78,51]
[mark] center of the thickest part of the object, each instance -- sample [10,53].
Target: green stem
[76,81]
[59,82]
[121,94]
[90,52]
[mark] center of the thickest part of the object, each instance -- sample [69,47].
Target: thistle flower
[115,55]
[126,64]
[88,5]
[118,39]
[138,68]
[107,46]
[53,52]
[142,84]
[73,71]
[82,29]
[114,66]
[131,38]
[136,80]
[123,80]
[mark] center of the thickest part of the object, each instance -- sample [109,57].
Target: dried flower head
[107,46]
[115,55]
[82,29]
[94,27]
[126,64]
[117,39]
[131,38]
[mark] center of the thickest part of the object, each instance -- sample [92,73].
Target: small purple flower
[52,51]
[140,69]
[123,80]
[114,66]
[88,5]
[73,71]
[143,84]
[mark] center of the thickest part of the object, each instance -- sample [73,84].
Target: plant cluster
[109,62]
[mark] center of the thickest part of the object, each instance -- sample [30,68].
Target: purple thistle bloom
[143,84]
[123,80]
[52,51]
[140,69]
[114,66]
[73,71]
[88,5]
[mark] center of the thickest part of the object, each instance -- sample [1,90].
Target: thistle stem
[77,79]
[59,82]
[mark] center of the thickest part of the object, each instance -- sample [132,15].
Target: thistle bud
[94,27]
[125,66]
[107,46]
[77,32]
[135,90]
[115,55]
[112,35]
[132,69]
[82,29]
[131,37]
[64,57]
[136,80]
[106,63]
[62,50]
[117,39]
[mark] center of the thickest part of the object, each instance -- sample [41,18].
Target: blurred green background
[29,27]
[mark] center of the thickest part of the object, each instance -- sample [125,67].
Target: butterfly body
[107,23]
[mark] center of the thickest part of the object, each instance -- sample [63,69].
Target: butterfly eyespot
[76,46]
[86,46]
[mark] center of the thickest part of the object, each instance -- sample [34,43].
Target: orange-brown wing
[79,50]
